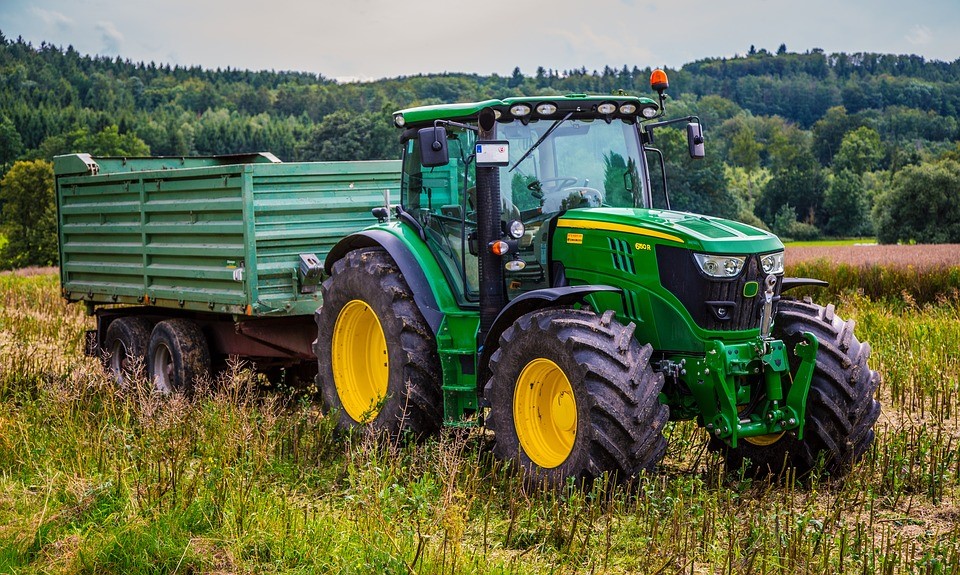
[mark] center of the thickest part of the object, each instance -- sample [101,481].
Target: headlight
[720,266]
[772,263]
[516,229]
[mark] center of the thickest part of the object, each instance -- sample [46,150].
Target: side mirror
[433,147]
[695,140]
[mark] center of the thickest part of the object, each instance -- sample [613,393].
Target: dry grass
[95,479]
[906,276]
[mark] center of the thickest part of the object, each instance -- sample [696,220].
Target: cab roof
[581,105]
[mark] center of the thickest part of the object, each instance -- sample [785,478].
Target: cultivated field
[95,479]
[911,275]
[919,256]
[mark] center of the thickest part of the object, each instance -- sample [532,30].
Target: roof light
[628,109]
[520,110]
[607,108]
[658,80]
[649,112]
[546,109]
[399,120]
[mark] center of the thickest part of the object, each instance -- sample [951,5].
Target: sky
[352,40]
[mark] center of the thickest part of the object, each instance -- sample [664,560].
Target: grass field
[95,479]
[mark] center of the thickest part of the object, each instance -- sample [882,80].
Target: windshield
[579,164]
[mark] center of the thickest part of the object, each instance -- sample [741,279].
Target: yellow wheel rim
[361,367]
[761,440]
[764,440]
[545,413]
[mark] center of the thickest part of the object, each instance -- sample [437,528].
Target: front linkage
[732,411]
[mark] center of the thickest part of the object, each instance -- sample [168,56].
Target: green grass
[95,479]
[831,242]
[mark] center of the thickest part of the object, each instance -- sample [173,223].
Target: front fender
[524,304]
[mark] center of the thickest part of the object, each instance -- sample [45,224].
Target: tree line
[806,144]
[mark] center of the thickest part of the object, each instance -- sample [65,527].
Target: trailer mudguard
[411,270]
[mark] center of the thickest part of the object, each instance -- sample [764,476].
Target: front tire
[377,358]
[841,409]
[572,395]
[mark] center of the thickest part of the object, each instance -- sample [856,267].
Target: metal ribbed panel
[308,208]
[175,237]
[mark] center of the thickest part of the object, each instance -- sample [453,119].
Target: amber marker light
[499,247]
[658,80]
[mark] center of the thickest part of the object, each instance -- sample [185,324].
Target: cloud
[54,18]
[110,37]
[919,35]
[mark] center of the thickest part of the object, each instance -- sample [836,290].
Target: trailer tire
[841,409]
[378,366]
[125,346]
[178,356]
[572,395]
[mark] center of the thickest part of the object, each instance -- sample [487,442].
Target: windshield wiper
[545,135]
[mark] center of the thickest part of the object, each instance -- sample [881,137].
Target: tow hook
[766,319]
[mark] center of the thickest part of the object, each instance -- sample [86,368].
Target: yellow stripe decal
[611,227]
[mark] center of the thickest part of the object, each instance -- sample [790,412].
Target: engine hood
[692,231]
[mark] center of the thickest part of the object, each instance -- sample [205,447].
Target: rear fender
[401,253]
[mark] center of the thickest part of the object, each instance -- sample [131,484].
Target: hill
[803,143]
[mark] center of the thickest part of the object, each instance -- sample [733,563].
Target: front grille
[704,296]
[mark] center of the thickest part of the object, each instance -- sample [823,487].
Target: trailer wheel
[178,355]
[841,409]
[572,394]
[377,358]
[125,346]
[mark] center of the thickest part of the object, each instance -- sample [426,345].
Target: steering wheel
[557,183]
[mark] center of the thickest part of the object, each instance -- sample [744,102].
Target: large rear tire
[841,409]
[377,358]
[572,395]
[125,344]
[178,356]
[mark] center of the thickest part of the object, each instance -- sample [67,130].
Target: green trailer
[232,244]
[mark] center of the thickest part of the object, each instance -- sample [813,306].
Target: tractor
[534,280]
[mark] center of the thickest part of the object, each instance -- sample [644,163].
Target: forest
[804,144]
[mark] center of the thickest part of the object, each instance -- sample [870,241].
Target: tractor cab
[553,155]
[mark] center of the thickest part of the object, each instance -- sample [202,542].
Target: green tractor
[532,280]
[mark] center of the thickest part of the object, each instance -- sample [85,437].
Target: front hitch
[731,409]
